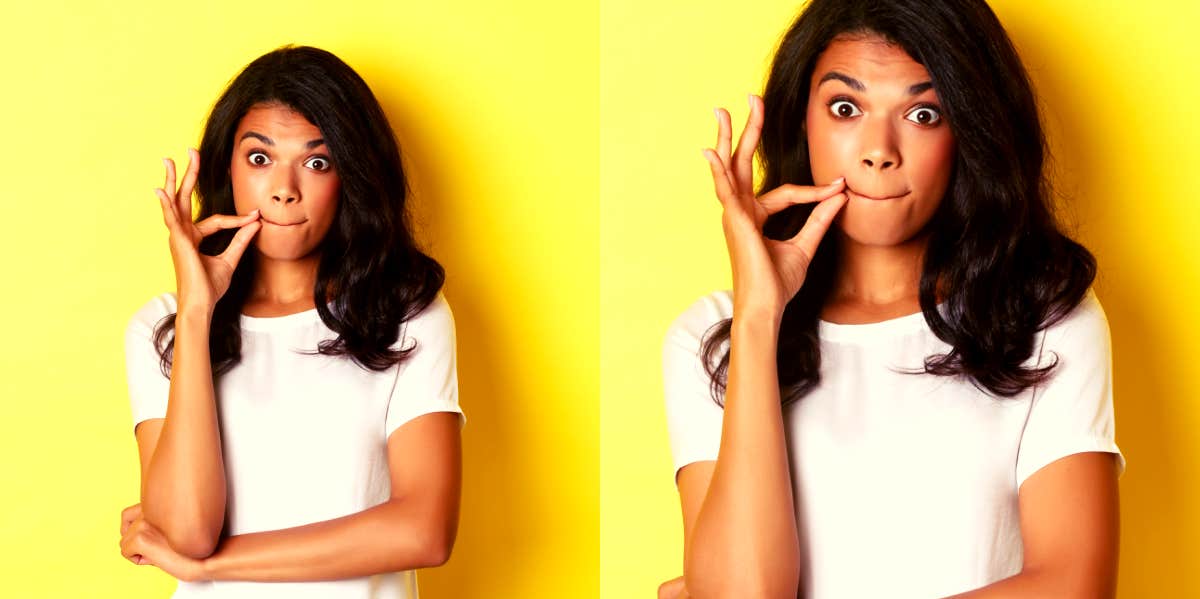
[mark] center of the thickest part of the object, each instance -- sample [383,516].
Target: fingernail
[837,181]
[717,113]
[165,163]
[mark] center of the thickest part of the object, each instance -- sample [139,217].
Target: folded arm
[415,528]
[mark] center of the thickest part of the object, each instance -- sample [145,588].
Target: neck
[878,276]
[283,283]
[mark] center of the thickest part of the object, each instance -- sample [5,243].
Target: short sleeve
[1072,412]
[693,418]
[427,381]
[148,386]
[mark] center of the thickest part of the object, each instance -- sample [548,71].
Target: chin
[281,250]
[882,223]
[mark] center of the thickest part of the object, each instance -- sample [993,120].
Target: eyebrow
[270,142]
[858,86]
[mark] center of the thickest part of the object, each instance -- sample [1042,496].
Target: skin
[739,523]
[286,193]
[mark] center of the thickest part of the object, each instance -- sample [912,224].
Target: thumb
[241,240]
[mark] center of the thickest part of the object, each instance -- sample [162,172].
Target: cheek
[321,194]
[245,188]
[830,149]
[931,159]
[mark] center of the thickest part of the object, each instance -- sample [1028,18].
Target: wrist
[757,319]
[192,315]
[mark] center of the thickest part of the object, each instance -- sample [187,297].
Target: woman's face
[874,118]
[281,166]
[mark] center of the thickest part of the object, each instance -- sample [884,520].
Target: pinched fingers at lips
[218,222]
[818,223]
[789,195]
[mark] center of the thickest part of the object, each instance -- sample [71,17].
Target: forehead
[870,59]
[277,121]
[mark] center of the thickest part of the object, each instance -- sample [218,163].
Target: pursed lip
[875,198]
[291,224]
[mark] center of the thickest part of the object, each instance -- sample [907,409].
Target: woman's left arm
[1070,525]
[414,528]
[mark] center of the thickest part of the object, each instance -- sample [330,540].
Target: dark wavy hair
[994,250]
[371,277]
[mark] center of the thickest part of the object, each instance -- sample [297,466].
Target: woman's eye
[258,159]
[925,115]
[318,163]
[843,109]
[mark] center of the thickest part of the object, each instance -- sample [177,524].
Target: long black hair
[994,248]
[371,277]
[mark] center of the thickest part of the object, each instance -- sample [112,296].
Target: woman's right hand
[766,273]
[201,280]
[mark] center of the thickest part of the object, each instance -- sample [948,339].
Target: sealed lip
[292,224]
[875,198]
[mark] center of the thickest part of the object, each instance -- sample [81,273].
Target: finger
[217,222]
[721,182]
[724,134]
[168,207]
[789,195]
[241,240]
[743,157]
[128,515]
[169,185]
[189,183]
[817,224]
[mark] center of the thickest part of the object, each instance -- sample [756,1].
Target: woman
[295,402]
[908,391]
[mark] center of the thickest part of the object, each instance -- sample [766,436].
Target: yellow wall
[1119,84]
[495,105]
[511,117]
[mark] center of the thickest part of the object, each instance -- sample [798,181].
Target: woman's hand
[673,589]
[766,273]
[143,544]
[201,280]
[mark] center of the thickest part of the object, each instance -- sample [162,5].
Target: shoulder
[151,313]
[434,321]
[1084,329]
[694,322]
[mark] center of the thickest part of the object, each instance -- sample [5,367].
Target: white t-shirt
[304,436]
[906,485]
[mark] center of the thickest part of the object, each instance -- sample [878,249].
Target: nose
[879,150]
[284,187]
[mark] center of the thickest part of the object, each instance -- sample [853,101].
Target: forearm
[1036,584]
[744,542]
[183,491]
[393,536]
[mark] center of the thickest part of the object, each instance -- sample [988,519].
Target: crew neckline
[900,325]
[272,323]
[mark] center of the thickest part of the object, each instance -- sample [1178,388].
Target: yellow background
[511,116]
[1118,81]
[495,105]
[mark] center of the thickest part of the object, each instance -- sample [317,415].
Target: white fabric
[304,436]
[906,485]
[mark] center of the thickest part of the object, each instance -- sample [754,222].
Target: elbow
[195,547]
[193,541]
[189,538]
[434,547]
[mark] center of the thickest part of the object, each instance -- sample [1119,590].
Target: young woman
[295,402]
[908,391]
